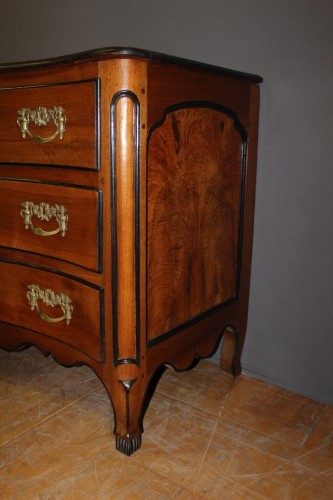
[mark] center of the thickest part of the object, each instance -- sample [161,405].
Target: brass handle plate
[50,298]
[41,117]
[44,212]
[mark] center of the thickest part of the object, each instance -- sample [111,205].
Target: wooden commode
[127,183]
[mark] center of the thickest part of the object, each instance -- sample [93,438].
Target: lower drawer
[60,307]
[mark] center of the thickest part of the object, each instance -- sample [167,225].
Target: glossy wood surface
[194,206]
[157,172]
[77,148]
[16,309]
[83,225]
[171,84]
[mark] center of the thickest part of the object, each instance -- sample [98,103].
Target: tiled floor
[206,436]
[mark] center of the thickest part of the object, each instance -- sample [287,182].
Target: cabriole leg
[127,395]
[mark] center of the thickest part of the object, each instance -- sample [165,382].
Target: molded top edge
[118,52]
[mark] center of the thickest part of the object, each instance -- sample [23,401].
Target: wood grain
[77,148]
[83,228]
[194,188]
[83,332]
[160,196]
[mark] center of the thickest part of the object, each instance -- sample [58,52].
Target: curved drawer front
[50,125]
[53,305]
[57,221]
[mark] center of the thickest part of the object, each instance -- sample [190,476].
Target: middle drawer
[58,221]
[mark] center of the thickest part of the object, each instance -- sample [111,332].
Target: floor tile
[322,433]
[175,439]
[319,487]
[206,436]
[272,411]
[34,386]
[205,386]
[246,436]
[72,455]
[284,483]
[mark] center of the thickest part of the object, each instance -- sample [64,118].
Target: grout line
[219,415]
[315,425]
[48,417]
[213,432]
[205,454]
[204,410]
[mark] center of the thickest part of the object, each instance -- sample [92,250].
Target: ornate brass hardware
[44,211]
[52,299]
[41,117]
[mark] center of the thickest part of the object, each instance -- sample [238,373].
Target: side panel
[196,165]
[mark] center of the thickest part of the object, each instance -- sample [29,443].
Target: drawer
[56,306]
[50,125]
[54,220]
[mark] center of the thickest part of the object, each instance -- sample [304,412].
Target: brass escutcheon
[41,117]
[44,211]
[50,298]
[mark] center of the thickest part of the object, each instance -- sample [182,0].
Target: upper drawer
[54,220]
[50,304]
[50,125]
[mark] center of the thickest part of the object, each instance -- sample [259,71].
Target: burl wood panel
[195,158]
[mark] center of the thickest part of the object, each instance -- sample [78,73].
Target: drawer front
[53,305]
[50,125]
[54,220]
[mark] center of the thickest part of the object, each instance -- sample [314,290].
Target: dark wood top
[119,52]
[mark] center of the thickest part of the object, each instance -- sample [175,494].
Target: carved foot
[128,445]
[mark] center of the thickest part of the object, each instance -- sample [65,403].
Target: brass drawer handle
[44,211]
[41,117]
[52,299]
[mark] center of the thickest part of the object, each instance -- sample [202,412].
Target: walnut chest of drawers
[127,184]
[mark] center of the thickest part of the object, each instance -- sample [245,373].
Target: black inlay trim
[114,250]
[193,321]
[244,137]
[115,52]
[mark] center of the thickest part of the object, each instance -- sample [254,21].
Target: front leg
[128,427]
[127,393]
